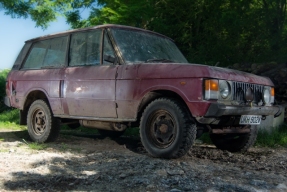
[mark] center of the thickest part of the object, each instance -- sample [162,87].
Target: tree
[208,32]
[42,11]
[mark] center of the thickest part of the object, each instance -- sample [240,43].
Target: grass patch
[63,147]
[35,145]
[205,138]
[10,116]
[12,126]
[4,150]
[134,131]
[277,137]
[10,120]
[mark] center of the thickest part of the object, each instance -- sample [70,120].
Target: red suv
[111,77]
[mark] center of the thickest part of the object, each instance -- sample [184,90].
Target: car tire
[111,134]
[42,125]
[167,129]
[235,142]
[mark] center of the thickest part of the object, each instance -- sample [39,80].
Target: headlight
[268,95]
[224,89]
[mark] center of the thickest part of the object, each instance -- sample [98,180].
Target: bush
[3,75]
[277,137]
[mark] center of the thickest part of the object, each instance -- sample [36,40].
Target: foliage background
[208,32]
[221,32]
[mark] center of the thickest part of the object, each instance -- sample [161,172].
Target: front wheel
[235,142]
[42,125]
[166,129]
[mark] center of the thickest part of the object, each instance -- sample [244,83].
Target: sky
[14,33]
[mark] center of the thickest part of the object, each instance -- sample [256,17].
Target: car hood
[169,71]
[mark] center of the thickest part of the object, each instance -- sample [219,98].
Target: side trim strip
[96,118]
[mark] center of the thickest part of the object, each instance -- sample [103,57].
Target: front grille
[239,90]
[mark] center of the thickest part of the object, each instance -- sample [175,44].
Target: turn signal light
[211,89]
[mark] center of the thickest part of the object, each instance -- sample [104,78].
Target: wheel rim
[161,128]
[39,121]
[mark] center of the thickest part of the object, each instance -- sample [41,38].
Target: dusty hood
[169,71]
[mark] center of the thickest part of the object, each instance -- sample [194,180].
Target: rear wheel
[42,125]
[166,129]
[235,142]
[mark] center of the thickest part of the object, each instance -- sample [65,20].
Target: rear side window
[85,48]
[47,54]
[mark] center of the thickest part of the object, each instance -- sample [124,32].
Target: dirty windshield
[143,47]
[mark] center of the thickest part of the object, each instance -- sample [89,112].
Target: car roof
[92,28]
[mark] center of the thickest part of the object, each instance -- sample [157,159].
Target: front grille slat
[239,89]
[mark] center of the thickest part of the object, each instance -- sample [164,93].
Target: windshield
[139,47]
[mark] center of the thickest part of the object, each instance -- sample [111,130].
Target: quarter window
[108,50]
[85,48]
[47,53]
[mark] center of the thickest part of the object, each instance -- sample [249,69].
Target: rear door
[89,86]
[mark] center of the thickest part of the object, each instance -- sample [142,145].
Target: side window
[36,56]
[85,48]
[56,53]
[109,55]
[47,53]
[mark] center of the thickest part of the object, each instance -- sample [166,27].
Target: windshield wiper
[159,60]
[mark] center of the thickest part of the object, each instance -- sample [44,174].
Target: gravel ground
[94,163]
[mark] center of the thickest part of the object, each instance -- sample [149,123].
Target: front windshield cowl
[144,47]
[159,61]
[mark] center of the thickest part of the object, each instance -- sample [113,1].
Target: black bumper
[218,110]
[7,101]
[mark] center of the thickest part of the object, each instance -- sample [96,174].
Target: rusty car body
[111,77]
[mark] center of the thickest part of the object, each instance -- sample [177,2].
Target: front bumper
[7,101]
[218,110]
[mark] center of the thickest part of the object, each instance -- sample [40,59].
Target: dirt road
[93,163]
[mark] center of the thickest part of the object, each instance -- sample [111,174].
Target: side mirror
[109,58]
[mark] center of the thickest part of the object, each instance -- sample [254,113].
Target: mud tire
[42,125]
[167,129]
[235,142]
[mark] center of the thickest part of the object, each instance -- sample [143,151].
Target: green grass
[205,138]
[277,137]
[134,131]
[35,145]
[10,120]
[4,150]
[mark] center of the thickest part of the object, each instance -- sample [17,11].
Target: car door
[89,86]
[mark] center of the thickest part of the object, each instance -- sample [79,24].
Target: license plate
[250,120]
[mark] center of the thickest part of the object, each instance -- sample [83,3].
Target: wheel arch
[30,98]
[155,94]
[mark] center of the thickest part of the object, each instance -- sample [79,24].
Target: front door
[89,86]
